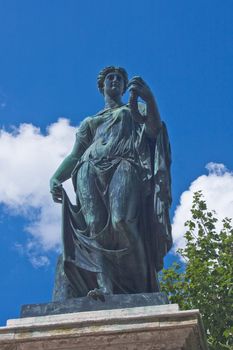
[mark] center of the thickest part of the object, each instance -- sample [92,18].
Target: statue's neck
[111,102]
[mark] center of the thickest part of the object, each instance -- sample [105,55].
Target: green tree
[205,280]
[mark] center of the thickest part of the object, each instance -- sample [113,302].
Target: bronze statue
[116,236]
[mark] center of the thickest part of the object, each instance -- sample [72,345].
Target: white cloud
[27,161]
[32,253]
[217,188]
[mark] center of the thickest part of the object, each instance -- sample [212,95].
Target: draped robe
[119,166]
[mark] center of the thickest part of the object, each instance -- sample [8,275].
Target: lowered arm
[65,169]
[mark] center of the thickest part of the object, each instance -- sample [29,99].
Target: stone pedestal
[108,302]
[145,328]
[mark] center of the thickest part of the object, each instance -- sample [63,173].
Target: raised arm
[138,88]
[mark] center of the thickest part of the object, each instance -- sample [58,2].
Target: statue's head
[108,70]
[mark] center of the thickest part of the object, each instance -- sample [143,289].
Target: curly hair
[104,72]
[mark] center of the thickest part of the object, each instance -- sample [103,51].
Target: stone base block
[145,328]
[117,301]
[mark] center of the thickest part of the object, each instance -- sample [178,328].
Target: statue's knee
[95,225]
[128,228]
[119,224]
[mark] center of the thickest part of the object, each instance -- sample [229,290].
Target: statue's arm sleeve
[82,140]
[153,123]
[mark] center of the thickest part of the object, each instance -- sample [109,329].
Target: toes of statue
[96,294]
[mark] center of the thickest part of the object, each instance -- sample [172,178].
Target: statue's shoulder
[84,122]
[89,124]
[84,126]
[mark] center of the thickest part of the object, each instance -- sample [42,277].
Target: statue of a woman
[117,234]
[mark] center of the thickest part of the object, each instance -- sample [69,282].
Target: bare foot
[97,293]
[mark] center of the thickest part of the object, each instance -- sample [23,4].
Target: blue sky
[51,53]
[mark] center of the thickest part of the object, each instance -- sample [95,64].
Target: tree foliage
[205,280]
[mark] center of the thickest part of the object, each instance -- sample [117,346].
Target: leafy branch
[205,280]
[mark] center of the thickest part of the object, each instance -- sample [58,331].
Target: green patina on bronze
[117,234]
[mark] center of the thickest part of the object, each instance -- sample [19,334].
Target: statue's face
[114,84]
